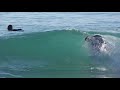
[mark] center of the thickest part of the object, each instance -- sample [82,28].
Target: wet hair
[10,27]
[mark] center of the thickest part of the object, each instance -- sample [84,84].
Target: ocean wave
[56,50]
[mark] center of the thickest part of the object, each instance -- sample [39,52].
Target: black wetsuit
[16,30]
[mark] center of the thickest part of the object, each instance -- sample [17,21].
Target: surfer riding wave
[97,43]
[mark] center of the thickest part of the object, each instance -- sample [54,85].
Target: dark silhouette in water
[95,37]
[95,41]
[10,28]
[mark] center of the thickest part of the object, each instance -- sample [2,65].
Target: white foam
[13,75]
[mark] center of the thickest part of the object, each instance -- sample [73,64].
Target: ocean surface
[53,45]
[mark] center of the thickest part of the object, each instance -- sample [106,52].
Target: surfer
[10,28]
[95,41]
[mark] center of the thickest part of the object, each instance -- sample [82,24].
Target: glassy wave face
[53,45]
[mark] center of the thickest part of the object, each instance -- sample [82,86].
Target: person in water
[10,28]
[95,41]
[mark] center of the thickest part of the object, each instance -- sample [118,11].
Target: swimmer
[10,28]
[95,41]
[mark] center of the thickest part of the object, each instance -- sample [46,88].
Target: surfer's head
[10,27]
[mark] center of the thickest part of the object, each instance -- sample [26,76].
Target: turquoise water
[52,45]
